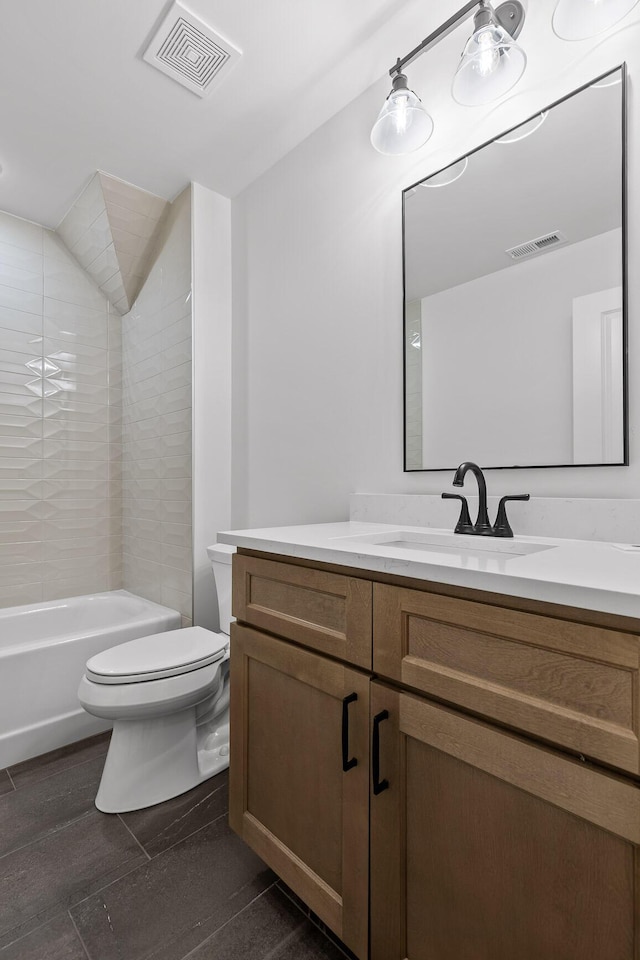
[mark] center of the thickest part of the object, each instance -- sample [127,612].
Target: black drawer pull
[378,784]
[347,763]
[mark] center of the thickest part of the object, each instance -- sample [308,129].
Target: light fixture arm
[510,15]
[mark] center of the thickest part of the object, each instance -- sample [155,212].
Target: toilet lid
[160,655]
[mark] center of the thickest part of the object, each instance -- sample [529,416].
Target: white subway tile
[17,405]
[78,586]
[14,574]
[54,246]
[19,447]
[25,384]
[76,411]
[139,508]
[74,527]
[140,548]
[21,233]
[65,549]
[177,353]
[18,302]
[73,489]
[80,372]
[76,450]
[69,283]
[75,469]
[176,467]
[77,509]
[20,531]
[176,511]
[176,600]
[16,553]
[60,429]
[16,509]
[130,197]
[21,278]
[21,489]
[66,352]
[16,363]
[15,595]
[91,333]
[18,341]
[12,256]
[76,390]
[29,325]
[25,427]
[68,567]
[178,534]
[19,468]
[176,556]
[175,400]
[174,579]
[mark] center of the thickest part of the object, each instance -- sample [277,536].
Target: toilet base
[150,761]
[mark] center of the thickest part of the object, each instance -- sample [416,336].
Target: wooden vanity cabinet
[486,846]
[477,823]
[299,774]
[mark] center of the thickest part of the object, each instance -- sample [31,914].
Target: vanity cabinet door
[570,683]
[328,612]
[297,720]
[485,846]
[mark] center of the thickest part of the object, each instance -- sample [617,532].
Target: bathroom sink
[449,544]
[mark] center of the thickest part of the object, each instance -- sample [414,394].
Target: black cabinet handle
[378,784]
[347,763]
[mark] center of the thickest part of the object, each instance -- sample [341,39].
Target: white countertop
[579,573]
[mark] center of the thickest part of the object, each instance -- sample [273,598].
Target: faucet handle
[464,524]
[501,527]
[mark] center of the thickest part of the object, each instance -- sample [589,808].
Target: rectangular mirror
[514,295]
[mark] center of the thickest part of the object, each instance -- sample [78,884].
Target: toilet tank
[220,555]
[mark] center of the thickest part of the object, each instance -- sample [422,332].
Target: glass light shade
[491,64]
[524,130]
[403,124]
[580,19]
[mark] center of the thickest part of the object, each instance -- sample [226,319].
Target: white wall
[156,409]
[318,297]
[498,358]
[211,282]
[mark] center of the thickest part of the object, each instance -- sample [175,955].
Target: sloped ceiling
[111,230]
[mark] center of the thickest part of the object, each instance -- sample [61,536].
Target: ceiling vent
[539,245]
[190,52]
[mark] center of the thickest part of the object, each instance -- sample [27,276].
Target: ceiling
[76,96]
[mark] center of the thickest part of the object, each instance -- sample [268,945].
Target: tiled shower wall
[156,464]
[60,411]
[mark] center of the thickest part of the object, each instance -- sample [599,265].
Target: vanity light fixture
[491,63]
[581,19]
[403,124]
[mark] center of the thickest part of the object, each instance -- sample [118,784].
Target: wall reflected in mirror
[514,309]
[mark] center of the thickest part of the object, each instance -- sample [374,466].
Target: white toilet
[168,697]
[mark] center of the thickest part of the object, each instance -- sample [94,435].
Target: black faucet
[482,527]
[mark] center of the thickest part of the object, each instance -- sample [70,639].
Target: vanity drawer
[569,683]
[327,612]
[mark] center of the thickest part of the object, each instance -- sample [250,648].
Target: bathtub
[43,651]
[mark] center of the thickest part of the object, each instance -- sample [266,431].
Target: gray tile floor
[168,883]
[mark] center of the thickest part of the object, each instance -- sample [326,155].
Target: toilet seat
[158,656]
